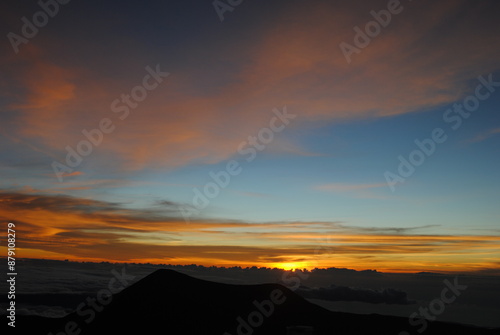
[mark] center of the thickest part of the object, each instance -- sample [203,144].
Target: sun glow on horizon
[291,265]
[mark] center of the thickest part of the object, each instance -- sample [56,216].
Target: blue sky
[320,179]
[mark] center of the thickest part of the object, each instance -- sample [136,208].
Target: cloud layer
[59,226]
[216,97]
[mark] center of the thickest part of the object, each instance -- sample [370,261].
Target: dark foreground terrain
[176,303]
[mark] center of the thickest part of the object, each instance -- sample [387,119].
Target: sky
[277,133]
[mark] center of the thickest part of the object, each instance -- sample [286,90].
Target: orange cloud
[295,61]
[487,134]
[61,227]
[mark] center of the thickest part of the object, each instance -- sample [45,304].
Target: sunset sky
[304,139]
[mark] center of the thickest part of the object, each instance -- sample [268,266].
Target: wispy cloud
[309,74]
[353,190]
[484,136]
[59,226]
[339,187]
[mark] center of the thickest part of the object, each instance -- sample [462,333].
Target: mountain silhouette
[169,302]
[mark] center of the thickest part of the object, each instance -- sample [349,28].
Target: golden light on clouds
[60,227]
[315,196]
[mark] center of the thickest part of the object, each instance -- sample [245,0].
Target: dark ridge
[176,303]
